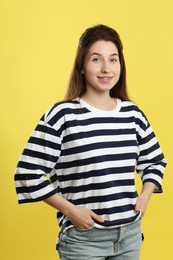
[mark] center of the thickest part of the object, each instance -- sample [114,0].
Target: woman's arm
[144,197]
[81,218]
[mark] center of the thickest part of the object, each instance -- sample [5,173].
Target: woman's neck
[104,102]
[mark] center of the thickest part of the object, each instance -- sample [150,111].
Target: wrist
[69,209]
[148,189]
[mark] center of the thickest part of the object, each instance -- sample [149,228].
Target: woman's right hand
[83,218]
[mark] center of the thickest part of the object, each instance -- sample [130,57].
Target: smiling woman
[92,36]
[101,71]
[83,154]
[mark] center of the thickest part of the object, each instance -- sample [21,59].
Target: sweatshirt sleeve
[32,174]
[151,161]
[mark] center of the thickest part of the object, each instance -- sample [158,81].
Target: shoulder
[62,106]
[134,110]
[129,106]
[60,109]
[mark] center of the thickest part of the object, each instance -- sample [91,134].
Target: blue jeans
[121,243]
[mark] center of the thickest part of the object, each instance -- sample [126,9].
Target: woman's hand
[141,204]
[83,218]
[144,197]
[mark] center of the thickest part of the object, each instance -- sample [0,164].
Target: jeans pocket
[74,234]
[85,229]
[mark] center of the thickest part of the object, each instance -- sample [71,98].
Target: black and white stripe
[90,157]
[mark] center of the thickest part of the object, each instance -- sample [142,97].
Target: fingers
[137,208]
[96,217]
[84,218]
[140,206]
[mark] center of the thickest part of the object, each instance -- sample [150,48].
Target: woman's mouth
[105,78]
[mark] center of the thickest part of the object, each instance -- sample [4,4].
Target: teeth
[105,77]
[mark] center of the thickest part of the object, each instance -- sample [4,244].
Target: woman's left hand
[141,204]
[144,197]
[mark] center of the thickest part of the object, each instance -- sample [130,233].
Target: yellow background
[38,40]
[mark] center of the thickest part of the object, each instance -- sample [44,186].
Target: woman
[82,157]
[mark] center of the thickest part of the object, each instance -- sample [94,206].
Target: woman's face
[101,67]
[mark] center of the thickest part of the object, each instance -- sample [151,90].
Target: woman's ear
[82,71]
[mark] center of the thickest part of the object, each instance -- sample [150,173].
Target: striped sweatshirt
[89,156]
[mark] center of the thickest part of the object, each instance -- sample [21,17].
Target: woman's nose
[106,67]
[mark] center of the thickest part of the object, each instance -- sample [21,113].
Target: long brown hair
[77,86]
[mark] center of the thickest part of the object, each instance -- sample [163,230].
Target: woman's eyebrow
[98,54]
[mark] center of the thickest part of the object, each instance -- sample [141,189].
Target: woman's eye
[113,60]
[96,59]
